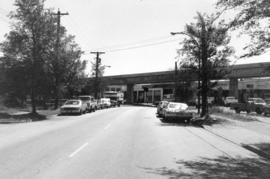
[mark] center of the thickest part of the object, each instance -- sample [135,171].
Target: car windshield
[181,106]
[258,100]
[72,102]
[163,103]
[84,98]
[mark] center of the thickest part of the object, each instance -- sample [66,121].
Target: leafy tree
[24,47]
[205,50]
[252,18]
[29,61]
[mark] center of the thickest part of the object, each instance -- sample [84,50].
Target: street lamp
[199,66]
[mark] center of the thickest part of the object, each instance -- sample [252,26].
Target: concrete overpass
[234,73]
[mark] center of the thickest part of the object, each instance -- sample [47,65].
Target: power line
[141,46]
[138,43]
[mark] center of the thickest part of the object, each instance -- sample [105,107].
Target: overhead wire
[145,41]
[141,46]
[124,46]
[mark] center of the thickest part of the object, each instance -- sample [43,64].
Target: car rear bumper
[183,116]
[70,111]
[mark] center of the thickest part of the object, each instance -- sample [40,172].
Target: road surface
[125,142]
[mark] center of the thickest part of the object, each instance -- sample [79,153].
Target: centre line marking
[107,127]
[78,150]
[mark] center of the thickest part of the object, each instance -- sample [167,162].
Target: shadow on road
[222,167]
[264,147]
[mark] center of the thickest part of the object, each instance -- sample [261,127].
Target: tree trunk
[56,96]
[33,100]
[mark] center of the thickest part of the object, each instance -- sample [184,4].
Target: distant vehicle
[229,100]
[90,102]
[106,102]
[73,107]
[161,108]
[117,96]
[267,100]
[252,105]
[98,104]
[114,103]
[258,101]
[176,111]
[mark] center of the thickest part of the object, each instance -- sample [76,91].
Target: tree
[29,61]
[24,47]
[252,18]
[205,50]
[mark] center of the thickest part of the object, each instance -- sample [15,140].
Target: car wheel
[163,119]
[265,114]
[258,111]
[248,111]
[237,110]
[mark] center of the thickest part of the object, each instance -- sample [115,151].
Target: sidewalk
[253,135]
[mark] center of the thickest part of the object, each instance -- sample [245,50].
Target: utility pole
[175,80]
[58,14]
[98,62]
[199,87]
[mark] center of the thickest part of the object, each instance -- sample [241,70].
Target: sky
[135,34]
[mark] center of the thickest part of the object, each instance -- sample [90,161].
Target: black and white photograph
[135,89]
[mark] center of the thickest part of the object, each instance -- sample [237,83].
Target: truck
[251,105]
[115,96]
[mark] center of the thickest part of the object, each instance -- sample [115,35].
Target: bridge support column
[233,87]
[130,91]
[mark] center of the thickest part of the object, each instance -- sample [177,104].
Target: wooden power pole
[58,14]
[98,62]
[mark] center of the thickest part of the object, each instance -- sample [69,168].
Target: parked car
[161,108]
[90,102]
[252,105]
[177,111]
[73,107]
[98,104]
[258,101]
[229,100]
[106,102]
[115,103]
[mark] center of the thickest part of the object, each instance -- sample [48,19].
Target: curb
[249,147]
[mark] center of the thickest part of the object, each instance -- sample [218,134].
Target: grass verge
[28,117]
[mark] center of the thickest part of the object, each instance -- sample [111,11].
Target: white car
[106,102]
[73,107]
[90,102]
[229,100]
[176,111]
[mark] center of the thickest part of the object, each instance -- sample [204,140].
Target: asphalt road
[125,142]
